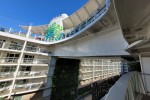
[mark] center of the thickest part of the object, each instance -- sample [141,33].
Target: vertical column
[18,65]
[102,69]
[47,91]
[93,70]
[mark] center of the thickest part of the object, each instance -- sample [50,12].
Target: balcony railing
[4,90]
[35,49]
[6,74]
[12,31]
[28,87]
[130,86]
[34,61]
[9,60]
[11,46]
[32,73]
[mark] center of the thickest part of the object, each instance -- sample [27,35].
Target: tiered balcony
[35,61]
[8,60]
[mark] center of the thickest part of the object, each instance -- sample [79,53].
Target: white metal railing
[35,61]
[32,73]
[99,12]
[11,46]
[6,74]
[4,90]
[29,86]
[12,31]
[8,59]
[127,87]
[36,49]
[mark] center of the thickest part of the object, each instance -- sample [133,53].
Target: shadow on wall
[65,80]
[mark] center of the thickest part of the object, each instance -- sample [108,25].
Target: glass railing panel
[35,61]
[32,73]
[9,60]
[4,90]
[6,74]
[31,49]
[28,87]
[13,46]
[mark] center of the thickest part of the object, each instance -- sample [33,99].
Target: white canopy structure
[41,29]
[75,19]
[83,13]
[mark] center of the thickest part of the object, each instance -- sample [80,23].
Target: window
[25,68]
[12,57]
[28,59]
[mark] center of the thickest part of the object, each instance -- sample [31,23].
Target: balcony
[4,91]
[35,49]
[11,46]
[131,86]
[34,61]
[28,87]
[9,60]
[32,73]
[6,75]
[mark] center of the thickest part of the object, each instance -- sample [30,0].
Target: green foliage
[1,98]
[54,32]
[65,80]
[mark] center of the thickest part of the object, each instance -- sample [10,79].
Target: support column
[52,64]
[18,65]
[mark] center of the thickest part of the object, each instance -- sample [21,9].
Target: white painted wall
[108,43]
[145,62]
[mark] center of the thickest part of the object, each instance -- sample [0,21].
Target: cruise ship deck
[100,52]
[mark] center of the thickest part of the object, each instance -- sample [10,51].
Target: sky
[37,12]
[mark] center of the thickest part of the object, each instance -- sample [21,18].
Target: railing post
[9,30]
[19,32]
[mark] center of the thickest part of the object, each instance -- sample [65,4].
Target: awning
[37,29]
[83,13]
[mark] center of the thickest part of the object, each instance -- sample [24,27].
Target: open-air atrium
[100,52]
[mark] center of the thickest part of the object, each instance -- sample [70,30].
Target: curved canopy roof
[83,13]
[36,29]
[75,19]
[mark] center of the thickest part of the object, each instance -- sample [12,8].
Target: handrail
[127,87]
[35,61]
